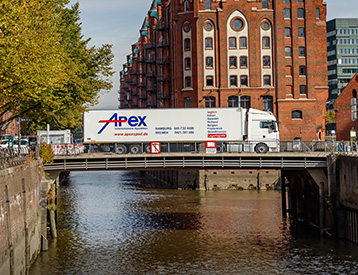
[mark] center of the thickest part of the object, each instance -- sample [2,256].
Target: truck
[61,142]
[134,130]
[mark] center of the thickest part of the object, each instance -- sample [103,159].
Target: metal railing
[11,158]
[341,147]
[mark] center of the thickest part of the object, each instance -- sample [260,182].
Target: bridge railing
[341,147]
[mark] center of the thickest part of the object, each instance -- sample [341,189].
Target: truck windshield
[268,125]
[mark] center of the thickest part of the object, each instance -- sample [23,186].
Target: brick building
[342,107]
[265,54]
[10,128]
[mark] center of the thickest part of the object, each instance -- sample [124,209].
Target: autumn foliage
[48,73]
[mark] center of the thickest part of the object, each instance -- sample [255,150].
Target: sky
[117,22]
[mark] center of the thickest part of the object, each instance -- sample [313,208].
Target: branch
[20,114]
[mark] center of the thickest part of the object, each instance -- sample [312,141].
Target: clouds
[118,22]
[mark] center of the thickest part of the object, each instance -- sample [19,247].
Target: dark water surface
[116,223]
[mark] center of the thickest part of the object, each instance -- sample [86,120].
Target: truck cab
[262,131]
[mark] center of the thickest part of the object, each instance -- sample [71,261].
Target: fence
[10,158]
[341,147]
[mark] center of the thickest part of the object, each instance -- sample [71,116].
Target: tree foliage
[48,72]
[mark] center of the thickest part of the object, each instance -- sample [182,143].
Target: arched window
[296,114]
[302,70]
[267,103]
[186,5]
[233,101]
[210,102]
[245,102]
[354,94]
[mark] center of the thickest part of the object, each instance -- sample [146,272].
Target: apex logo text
[132,121]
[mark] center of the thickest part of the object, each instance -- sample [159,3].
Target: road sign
[211,147]
[155,148]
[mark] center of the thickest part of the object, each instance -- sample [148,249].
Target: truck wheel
[135,149]
[121,149]
[261,148]
[147,148]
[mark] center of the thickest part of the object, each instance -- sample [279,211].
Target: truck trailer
[133,130]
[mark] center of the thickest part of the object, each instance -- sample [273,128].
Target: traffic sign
[155,147]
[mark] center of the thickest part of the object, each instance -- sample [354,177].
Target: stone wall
[218,179]
[348,183]
[20,216]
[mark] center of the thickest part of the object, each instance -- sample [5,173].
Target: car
[24,145]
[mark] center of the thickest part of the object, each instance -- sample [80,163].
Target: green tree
[47,70]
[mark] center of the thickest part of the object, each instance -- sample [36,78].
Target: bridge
[111,161]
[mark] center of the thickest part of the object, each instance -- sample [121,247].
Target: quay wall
[218,179]
[348,182]
[22,216]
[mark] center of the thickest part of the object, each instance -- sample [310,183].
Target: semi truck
[133,130]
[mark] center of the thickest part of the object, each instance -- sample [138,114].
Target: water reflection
[116,223]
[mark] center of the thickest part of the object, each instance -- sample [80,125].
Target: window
[265,4]
[267,80]
[210,102]
[286,1]
[267,103]
[318,13]
[209,81]
[300,13]
[208,43]
[208,4]
[208,26]
[187,102]
[301,51]
[301,32]
[243,81]
[302,70]
[188,82]
[243,61]
[187,44]
[354,94]
[243,42]
[287,13]
[266,61]
[209,62]
[303,89]
[233,80]
[287,32]
[296,114]
[233,101]
[288,52]
[186,5]
[233,62]
[266,42]
[232,42]
[187,64]
[245,102]
[237,24]
[300,1]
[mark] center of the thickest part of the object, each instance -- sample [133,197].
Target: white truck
[133,130]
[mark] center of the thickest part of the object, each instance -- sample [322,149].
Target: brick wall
[342,107]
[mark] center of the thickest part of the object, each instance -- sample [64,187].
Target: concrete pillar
[283,196]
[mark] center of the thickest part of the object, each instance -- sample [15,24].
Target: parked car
[24,146]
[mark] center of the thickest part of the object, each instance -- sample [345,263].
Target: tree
[47,71]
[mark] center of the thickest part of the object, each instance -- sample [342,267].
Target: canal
[119,223]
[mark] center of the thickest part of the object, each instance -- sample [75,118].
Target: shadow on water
[121,223]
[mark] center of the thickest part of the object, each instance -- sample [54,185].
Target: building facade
[263,54]
[345,122]
[342,50]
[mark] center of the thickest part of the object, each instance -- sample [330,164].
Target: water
[117,223]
